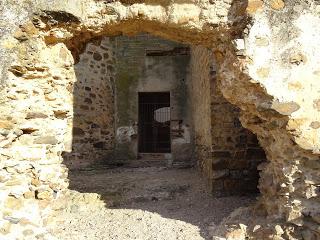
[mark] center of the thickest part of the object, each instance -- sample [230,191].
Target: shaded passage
[143,203]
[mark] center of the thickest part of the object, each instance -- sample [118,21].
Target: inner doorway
[154,122]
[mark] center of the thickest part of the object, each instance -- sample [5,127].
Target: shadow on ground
[174,194]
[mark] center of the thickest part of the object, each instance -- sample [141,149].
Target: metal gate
[154,122]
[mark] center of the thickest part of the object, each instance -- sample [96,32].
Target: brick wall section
[228,153]
[236,152]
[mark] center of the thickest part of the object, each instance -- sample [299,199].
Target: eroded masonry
[229,86]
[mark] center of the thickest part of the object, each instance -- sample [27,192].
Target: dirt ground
[144,203]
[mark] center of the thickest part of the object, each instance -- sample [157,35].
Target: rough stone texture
[227,153]
[200,88]
[92,126]
[278,105]
[236,152]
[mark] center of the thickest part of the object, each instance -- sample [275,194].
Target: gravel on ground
[144,203]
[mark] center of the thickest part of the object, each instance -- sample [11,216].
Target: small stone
[20,35]
[316,104]
[5,228]
[219,56]
[295,86]
[25,222]
[33,115]
[279,230]
[52,96]
[12,220]
[219,174]
[61,114]
[238,234]
[97,56]
[262,42]
[46,140]
[28,232]
[29,195]
[13,203]
[6,124]
[99,145]
[45,195]
[29,28]
[13,182]
[88,100]
[105,56]
[315,125]
[35,182]
[254,6]
[26,139]
[277,4]
[29,128]
[64,53]
[316,217]
[77,131]
[256,227]
[298,58]
[263,72]
[286,108]
[44,203]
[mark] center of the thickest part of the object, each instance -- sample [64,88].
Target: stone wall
[228,153]
[236,153]
[268,66]
[92,136]
[147,63]
[199,89]
[36,115]
[109,75]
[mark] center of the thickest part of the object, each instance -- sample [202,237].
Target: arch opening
[38,102]
[111,73]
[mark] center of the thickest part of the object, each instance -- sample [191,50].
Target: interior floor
[144,203]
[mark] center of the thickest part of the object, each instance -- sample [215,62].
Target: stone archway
[272,77]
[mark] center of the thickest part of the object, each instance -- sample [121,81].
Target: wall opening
[38,77]
[136,87]
[154,122]
[125,83]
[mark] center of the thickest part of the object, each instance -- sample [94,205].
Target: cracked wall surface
[268,66]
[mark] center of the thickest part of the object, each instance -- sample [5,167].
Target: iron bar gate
[154,122]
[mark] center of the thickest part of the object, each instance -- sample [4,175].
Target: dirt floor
[143,203]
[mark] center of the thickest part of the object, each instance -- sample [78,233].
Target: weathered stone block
[221,154]
[277,4]
[52,140]
[13,203]
[285,108]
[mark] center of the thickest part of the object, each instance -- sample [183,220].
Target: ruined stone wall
[236,152]
[268,66]
[36,116]
[279,85]
[228,153]
[92,136]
